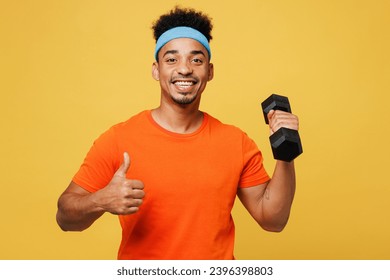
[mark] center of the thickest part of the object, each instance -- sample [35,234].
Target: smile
[184,84]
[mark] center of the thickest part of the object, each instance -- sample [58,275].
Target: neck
[179,119]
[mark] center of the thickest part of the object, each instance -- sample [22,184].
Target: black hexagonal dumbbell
[286,143]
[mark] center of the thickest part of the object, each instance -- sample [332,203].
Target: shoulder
[120,129]
[134,120]
[231,135]
[225,128]
[134,123]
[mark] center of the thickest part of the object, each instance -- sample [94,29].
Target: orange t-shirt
[190,180]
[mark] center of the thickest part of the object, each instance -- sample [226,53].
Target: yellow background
[70,69]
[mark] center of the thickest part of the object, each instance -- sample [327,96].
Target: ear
[155,71]
[211,71]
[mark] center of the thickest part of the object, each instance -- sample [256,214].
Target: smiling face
[183,70]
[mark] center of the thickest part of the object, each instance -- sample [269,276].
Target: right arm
[78,209]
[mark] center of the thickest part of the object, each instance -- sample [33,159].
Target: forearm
[77,212]
[278,197]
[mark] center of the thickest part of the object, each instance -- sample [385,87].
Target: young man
[172,173]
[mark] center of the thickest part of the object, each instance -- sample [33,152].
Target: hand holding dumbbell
[285,142]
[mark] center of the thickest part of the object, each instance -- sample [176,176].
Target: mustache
[186,78]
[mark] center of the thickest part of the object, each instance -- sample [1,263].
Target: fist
[278,119]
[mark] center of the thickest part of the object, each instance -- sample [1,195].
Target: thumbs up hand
[122,196]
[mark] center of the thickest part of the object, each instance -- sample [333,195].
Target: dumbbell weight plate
[275,102]
[286,144]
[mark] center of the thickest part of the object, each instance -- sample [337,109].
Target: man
[172,173]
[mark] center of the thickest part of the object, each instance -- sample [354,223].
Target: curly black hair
[183,17]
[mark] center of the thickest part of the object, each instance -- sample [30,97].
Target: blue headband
[181,32]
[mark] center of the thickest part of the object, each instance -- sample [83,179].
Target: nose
[184,68]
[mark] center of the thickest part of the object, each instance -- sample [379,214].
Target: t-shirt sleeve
[100,163]
[253,173]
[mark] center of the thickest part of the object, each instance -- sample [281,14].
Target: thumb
[122,170]
[270,114]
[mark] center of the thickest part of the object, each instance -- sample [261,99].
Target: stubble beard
[184,99]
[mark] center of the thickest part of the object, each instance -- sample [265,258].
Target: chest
[200,172]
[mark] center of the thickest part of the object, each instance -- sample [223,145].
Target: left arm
[270,203]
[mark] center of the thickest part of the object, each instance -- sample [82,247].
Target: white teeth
[184,83]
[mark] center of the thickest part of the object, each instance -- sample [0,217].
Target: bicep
[251,198]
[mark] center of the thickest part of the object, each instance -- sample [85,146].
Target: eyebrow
[198,52]
[194,52]
[170,52]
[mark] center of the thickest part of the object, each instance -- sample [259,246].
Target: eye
[170,60]
[197,60]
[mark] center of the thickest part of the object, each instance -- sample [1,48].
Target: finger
[136,203]
[271,121]
[133,189]
[139,194]
[270,115]
[136,184]
[133,206]
[126,210]
[281,119]
[131,210]
[124,166]
[284,120]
